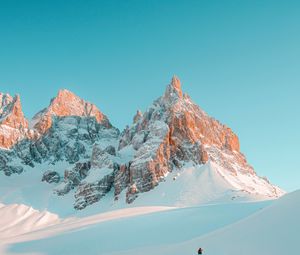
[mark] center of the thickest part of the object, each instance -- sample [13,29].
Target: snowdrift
[17,219]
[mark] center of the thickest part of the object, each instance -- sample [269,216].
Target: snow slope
[27,188]
[189,186]
[195,185]
[262,228]
[17,219]
[131,228]
[273,230]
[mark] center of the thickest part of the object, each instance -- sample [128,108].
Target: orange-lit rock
[12,114]
[13,124]
[67,104]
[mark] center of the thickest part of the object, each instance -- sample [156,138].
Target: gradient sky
[238,60]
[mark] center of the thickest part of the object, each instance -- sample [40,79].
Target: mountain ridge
[172,133]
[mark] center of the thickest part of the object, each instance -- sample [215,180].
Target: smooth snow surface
[271,231]
[261,228]
[17,219]
[128,229]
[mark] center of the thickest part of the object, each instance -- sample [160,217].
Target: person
[200,251]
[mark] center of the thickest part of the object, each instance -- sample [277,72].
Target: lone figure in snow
[200,251]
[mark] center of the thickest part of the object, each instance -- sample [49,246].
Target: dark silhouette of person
[200,251]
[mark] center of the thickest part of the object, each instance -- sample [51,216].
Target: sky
[238,60]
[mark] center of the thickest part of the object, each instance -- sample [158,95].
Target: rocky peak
[67,104]
[188,120]
[175,130]
[13,125]
[11,113]
[175,83]
[5,100]
[173,89]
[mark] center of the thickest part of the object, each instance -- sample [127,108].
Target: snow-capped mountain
[172,154]
[174,131]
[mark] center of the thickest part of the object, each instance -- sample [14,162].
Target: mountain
[175,131]
[173,154]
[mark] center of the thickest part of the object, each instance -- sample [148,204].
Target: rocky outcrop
[90,193]
[100,179]
[51,176]
[121,179]
[92,179]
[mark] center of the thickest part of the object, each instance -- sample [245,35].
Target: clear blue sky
[239,60]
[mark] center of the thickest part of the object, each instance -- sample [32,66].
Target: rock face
[91,157]
[11,112]
[13,125]
[67,104]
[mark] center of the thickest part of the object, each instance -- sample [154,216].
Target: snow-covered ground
[263,228]
[17,219]
[204,184]
[129,228]
[189,186]
[271,231]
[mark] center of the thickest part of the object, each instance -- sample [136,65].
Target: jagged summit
[176,84]
[173,90]
[5,103]
[13,124]
[11,113]
[5,99]
[65,104]
[15,118]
